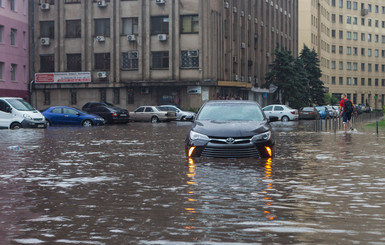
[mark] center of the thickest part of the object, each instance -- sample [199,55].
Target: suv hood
[230,128]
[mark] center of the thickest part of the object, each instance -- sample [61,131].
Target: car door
[148,113]
[5,115]
[138,114]
[278,111]
[56,116]
[268,111]
[72,117]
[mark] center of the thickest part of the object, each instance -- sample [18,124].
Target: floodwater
[132,184]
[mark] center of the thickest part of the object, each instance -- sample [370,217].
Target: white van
[17,113]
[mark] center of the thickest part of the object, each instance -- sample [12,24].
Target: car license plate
[123,115]
[40,125]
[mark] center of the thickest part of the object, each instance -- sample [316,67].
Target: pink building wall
[14,54]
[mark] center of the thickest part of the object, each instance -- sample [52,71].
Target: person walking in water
[346,110]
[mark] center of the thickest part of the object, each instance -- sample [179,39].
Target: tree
[282,75]
[311,65]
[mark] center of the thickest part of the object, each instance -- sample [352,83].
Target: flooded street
[132,184]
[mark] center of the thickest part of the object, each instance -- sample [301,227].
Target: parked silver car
[333,110]
[180,115]
[152,114]
[283,112]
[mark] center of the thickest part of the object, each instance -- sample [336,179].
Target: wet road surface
[132,184]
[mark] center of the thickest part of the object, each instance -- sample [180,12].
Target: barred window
[74,62]
[102,61]
[130,26]
[73,29]
[130,60]
[102,27]
[190,24]
[51,2]
[47,98]
[47,29]
[159,25]
[190,59]
[74,96]
[47,63]
[160,60]
[116,96]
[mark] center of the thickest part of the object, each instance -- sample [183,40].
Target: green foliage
[297,79]
[330,100]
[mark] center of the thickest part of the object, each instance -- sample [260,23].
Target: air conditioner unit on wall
[162,37]
[44,6]
[131,38]
[102,4]
[243,45]
[45,41]
[133,54]
[160,1]
[100,38]
[235,78]
[227,5]
[101,74]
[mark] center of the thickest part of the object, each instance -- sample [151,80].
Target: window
[51,2]
[102,27]
[348,81]
[376,53]
[369,37]
[341,65]
[369,67]
[362,66]
[47,97]
[376,9]
[355,20]
[333,49]
[189,24]
[333,80]
[1,33]
[333,33]
[383,39]
[74,62]
[333,65]
[13,37]
[376,38]
[362,81]
[369,52]
[341,49]
[73,96]
[47,63]
[369,8]
[130,26]
[369,22]
[160,60]
[382,68]
[349,4]
[102,62]
[355,81]
[341,3]
[349,35]
[349,50]
[341,80]
[362,21]
[349,66]
[47,29]
[355,66]
[130,96]
[341,19]
[341,34]
[369,82]
[333,18]
[362,51]
[72,1]
[376,68]
[349,20]
[12,5]
[159,25]
[130,60]
[333,3]
[73,29]
[190,59]
[355,5]
[376,23]
[1,70]
[355,51]
[13,72]
[116,97]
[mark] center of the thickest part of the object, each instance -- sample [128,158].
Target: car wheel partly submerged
[154,119]
[284,119]
[87,123]
[16,126]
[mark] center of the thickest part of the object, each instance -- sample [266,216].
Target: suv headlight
[262,137]
[198,136]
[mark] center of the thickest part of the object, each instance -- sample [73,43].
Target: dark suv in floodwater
[231,129]
[110,112]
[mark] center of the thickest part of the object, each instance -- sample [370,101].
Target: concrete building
[349,37]
[14,51]
[137,52]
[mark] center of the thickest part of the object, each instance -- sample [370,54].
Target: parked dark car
[110,112]
[64,115]
[230,129]
[309,113]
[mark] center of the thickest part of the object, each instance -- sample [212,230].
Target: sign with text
[63,77]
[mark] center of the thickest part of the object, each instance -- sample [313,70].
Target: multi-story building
[14,79]
[135,52]
[349,37]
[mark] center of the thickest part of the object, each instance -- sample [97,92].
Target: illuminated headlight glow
[27,116]
[262,137]
[198,136]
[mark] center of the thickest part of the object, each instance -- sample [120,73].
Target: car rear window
[308,109]
[231,112]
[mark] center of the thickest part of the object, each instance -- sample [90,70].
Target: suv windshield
[231,112]
[20,105]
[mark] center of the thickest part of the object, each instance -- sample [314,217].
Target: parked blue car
[64,115]
[323,111]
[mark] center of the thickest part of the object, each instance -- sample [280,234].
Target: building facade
[14,62]
[137,52]
[349,37]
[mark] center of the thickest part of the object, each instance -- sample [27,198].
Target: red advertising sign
[63,77]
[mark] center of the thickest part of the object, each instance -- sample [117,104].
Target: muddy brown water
[132,184]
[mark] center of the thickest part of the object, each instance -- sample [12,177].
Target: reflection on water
[131,184]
